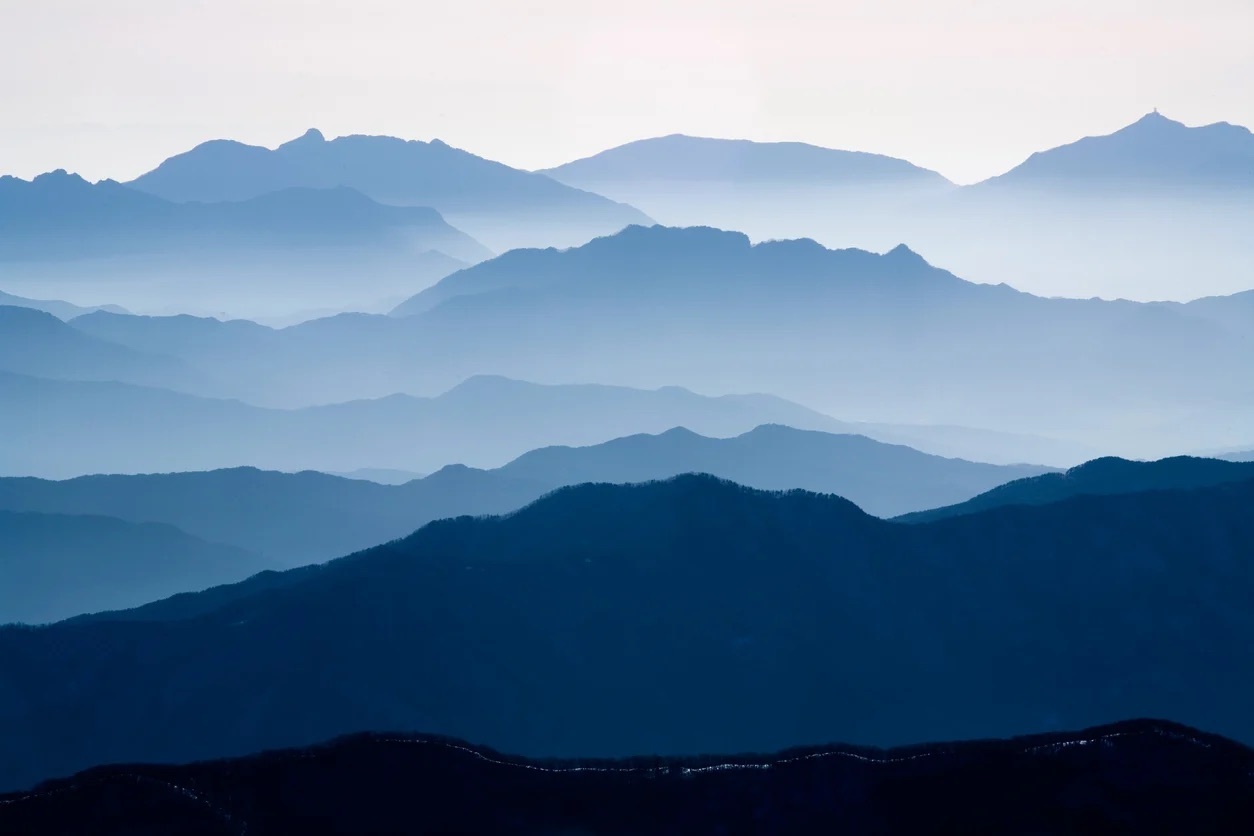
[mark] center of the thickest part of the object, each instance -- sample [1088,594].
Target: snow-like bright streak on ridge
[876,760]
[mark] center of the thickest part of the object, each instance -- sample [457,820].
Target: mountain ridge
[698,614]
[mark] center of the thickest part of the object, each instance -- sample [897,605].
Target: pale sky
[108,88]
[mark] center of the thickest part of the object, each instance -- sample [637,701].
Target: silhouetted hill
[1152,153]
[1101,476]
[1142,777]
[486,198]
[53,566]
[877,477]
[58,429]
[684,616]
[293,519]
[59,309]
[35,342]
[290,518]
[681,160]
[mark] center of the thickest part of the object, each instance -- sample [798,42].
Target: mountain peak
[313,136]
[1154,119]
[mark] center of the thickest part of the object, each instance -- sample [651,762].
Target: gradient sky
[108,88]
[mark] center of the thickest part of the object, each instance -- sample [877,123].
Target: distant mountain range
[59,309]
[886,339]
[60,215]
[1145,777]
[53,566]
[648,169]
[34,342]
[877,477]
[884,336]
[1151,154]
[60,233]
[292,519]
[1123,215]
[61,428]
[1098,477]
[684,616]
[501,206]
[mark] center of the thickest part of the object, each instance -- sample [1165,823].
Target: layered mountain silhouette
[56,307]
[34,342]
[60,233]
[1100,476]
[290,519]
[684,616]
[58,429]
[877,477]
[884,336]
[885,339]
[1123,215]
[297,518]
[1140,776]
[53,566]
[60,215]
[1151,154]
[501,206]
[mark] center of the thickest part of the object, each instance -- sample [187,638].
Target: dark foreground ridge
[1141,776]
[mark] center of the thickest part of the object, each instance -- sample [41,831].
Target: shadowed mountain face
[53,566]
[1140,777]
[686,616]
[1101,476]
[299,518]
[61,310]
[499,205]
[58,429]
[62,234]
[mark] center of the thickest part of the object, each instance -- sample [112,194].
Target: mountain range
[1151,154]
[1145,777]
[293,519]
[34,342]
[63,428]
[673,617]
[60,233]
[1122,215]
[649,166]
[53,566]
[56,307]
[1098,477]
[885,339]
[503,207]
